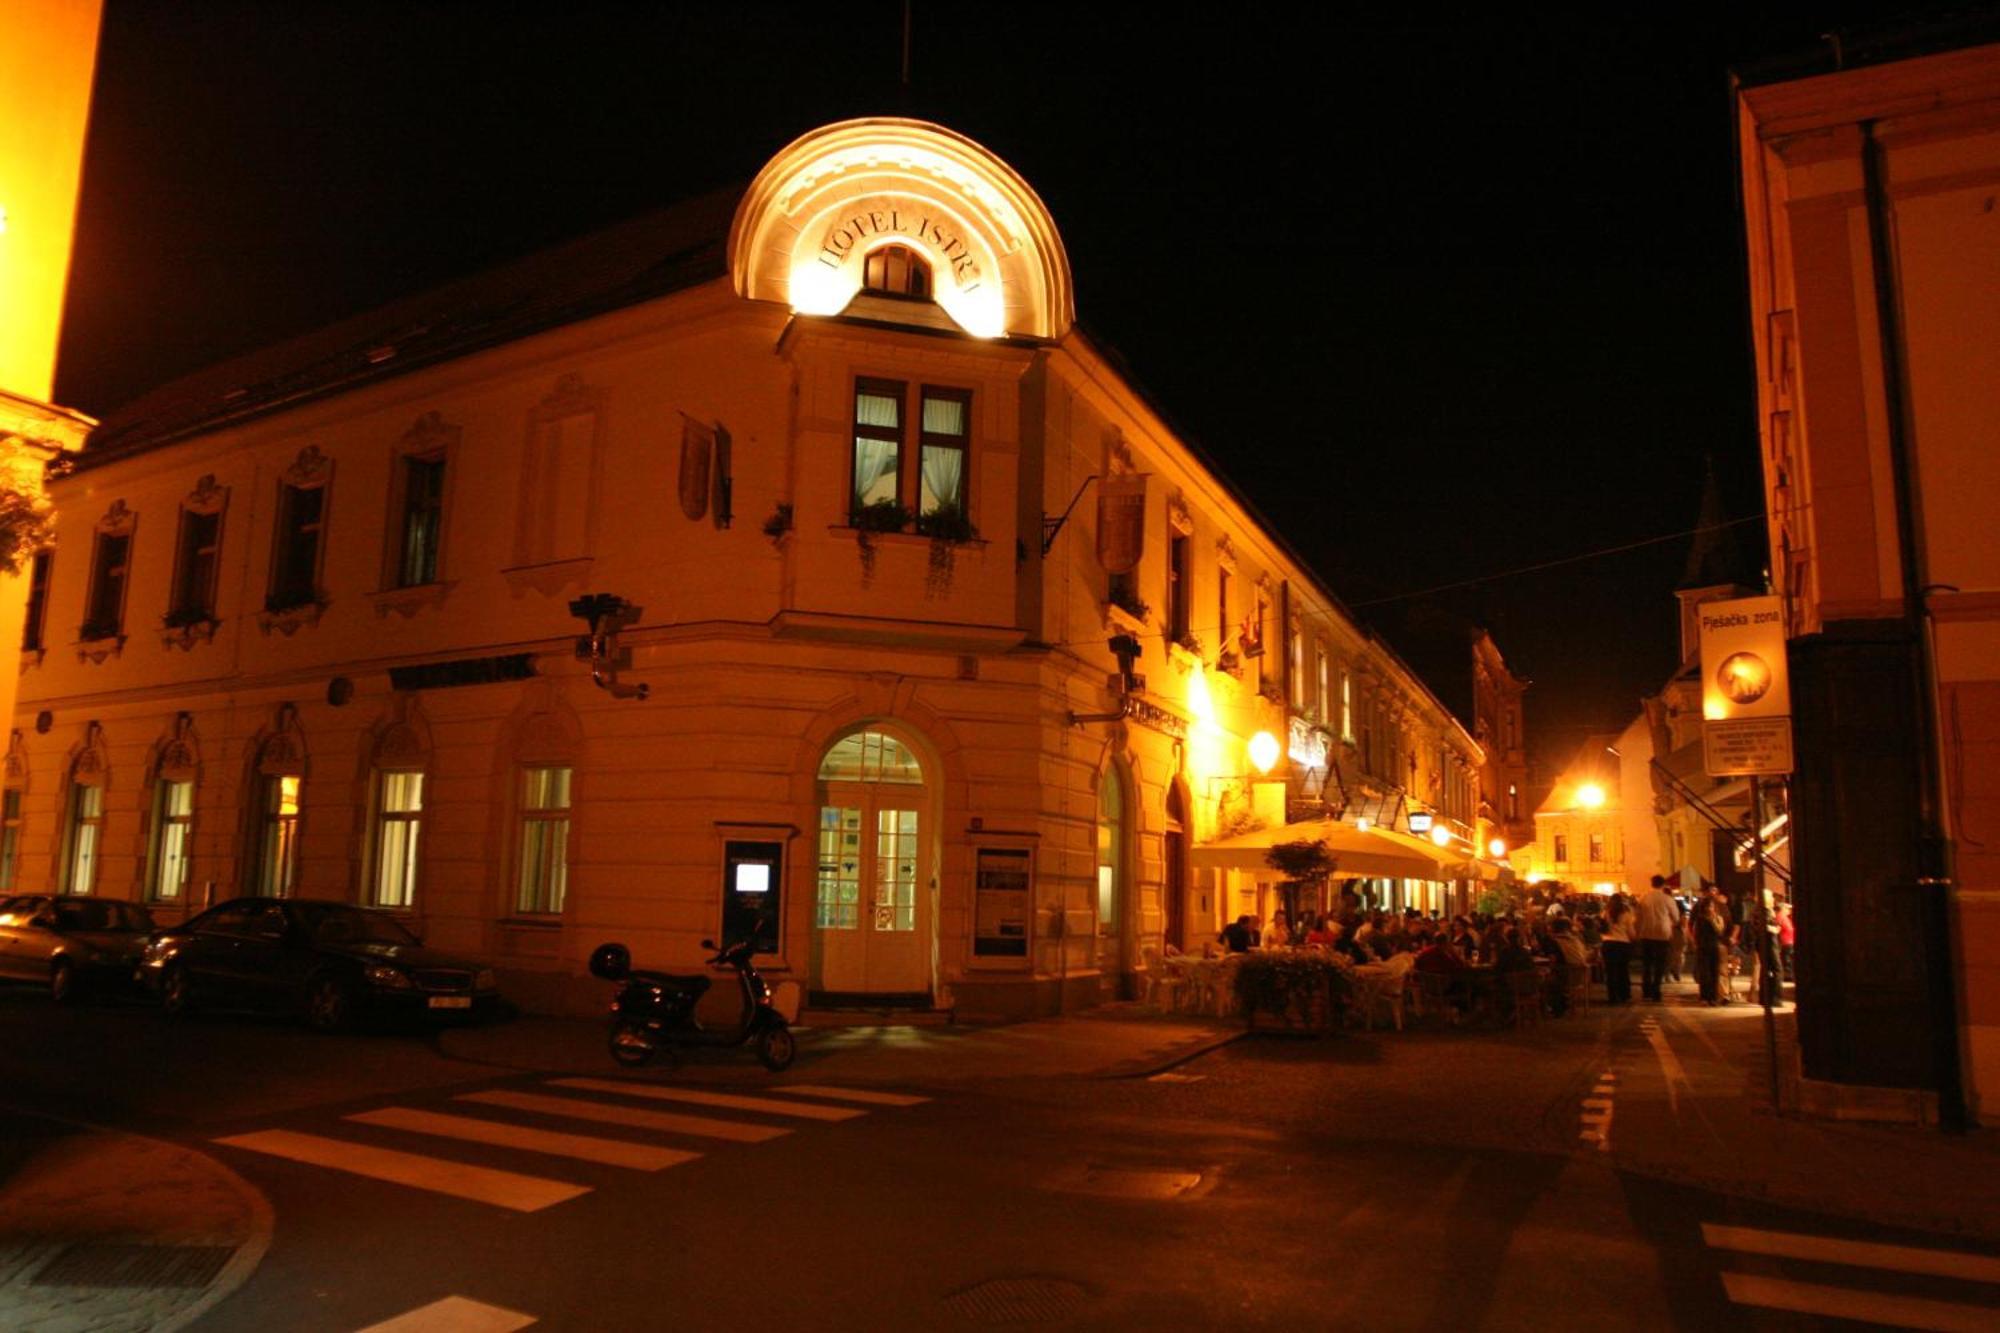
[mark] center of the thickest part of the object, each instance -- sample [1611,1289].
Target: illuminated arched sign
[808,223]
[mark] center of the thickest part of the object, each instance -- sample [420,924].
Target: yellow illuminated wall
[47,55]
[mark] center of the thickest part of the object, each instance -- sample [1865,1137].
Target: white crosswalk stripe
[1894,1309]
[529,1193]
[863,1095]
[699,1097]
[605,1113]
[583,1147]
[454,1314]
[483,1184]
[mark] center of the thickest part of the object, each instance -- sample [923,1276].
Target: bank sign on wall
[1746,693]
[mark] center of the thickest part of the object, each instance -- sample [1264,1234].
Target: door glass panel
[838,906]
[896,870]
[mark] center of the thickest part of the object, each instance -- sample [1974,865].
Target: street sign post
[1746,692]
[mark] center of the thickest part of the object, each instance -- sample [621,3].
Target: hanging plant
[869,519]
[949,528]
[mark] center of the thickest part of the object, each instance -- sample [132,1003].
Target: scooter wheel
[775,1048]
[631,1044]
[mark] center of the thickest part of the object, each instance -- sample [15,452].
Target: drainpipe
[1934,869]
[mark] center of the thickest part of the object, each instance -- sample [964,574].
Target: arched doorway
[873,912]
[1175,847]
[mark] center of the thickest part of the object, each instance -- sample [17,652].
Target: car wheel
[776,1047]
[176,992]
[62,981]
[329,1007]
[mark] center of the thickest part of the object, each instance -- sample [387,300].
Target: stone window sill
[406,602]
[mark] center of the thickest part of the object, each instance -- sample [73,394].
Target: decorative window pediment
[179,757]
[283,753]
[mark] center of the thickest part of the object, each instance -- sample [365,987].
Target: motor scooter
[654,1012]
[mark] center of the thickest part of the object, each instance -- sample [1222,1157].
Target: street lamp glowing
[1497,848]
[1264,751]
[1590,796]
[1440,834]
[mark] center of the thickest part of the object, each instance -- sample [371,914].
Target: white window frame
[393,871]
[158,854]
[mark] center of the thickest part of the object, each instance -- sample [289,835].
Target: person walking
[1711,936]
[1655,917]
[1616,949]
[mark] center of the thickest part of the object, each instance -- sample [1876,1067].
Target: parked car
[71,944]
[331,962]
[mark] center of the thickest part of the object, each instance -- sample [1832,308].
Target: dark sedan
[329,961]
[71,944]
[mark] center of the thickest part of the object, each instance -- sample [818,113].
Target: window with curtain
[295,553]
[942,458]
[10,834]
[399,812]
[86,828]
[110,563]
[195,567]
[278,835]
[423,519]
[544,813]
[172,841]
[878,443]
[33,630]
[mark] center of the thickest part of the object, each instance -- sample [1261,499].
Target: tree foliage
[25,523]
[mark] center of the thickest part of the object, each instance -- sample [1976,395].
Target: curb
[1160,1064]
[248,1254]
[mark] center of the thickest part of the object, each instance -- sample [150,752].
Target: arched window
[83,829]
[279,781]
[897,270]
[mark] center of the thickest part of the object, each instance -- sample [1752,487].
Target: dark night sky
[1444,294]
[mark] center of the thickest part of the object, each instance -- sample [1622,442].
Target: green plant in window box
[1190,643]
[779,523]
[1130,602]
[278,602]
[869,519]
[949,527]
[93,630]
[1227,660]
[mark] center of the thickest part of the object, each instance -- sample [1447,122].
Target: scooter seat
[694,985]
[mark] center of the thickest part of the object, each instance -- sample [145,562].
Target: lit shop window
[278,843]
[172,843]
[398,820]
[544,840]
[86,829]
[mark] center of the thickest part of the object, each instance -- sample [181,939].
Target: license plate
[451,1001]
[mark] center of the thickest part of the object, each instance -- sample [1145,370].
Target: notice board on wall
[1003,880]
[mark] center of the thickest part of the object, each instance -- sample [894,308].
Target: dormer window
[897,270]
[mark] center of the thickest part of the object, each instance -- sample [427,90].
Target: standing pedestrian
[1787,938]
[1655,918]
[1711,941]
[1616,949]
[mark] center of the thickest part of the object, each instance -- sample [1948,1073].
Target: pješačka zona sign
[1746,692]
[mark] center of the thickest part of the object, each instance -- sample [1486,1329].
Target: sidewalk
[1116,1041]
[1696,1108]
[104,1232]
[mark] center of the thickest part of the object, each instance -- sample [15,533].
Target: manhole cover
[90,1264]
[1018,1300]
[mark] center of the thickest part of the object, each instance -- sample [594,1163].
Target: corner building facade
[312,622]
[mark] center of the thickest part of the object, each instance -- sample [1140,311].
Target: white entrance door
[872,918]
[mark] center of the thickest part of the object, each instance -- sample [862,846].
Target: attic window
[897,270]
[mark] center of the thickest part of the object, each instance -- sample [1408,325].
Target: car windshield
[351,925]
[102,916]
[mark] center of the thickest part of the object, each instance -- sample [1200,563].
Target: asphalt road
[1374,1181]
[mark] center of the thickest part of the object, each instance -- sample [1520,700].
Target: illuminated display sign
[1420,821]
[1307,744]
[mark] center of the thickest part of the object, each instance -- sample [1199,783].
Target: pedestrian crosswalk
[1885,1284]
[550,1122]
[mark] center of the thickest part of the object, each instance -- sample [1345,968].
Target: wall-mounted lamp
[606,614]
[1497,848]
[1264,751]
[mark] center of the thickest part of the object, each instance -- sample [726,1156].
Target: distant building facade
[950,649]
[1580,826]
[1868,187]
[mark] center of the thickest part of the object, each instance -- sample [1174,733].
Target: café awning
[1364,852]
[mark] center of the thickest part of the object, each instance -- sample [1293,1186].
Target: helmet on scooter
[611,962]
